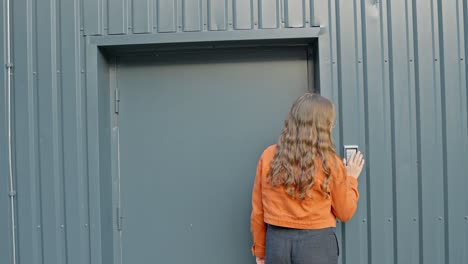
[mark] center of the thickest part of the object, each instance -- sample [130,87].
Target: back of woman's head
[305,139]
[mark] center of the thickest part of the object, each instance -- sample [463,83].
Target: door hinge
[116,100]
[119,219]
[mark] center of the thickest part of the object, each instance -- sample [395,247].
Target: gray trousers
[297,246]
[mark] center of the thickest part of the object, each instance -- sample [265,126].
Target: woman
[301,187]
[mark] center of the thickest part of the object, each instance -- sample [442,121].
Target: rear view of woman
[301,187]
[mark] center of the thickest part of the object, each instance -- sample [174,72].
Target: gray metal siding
[396,70]
[430,148]
[25,107]
[153,16]
[50,164]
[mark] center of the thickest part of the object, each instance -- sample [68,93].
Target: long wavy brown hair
[304,145]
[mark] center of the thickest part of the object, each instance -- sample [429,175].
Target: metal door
[192,126]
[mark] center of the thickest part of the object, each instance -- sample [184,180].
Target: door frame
[105,221]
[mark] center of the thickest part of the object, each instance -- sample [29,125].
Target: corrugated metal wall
[396,69]
[169,16]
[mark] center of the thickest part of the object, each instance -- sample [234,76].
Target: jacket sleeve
[344,193]
[257,225]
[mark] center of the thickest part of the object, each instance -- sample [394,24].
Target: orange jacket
[272,205]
